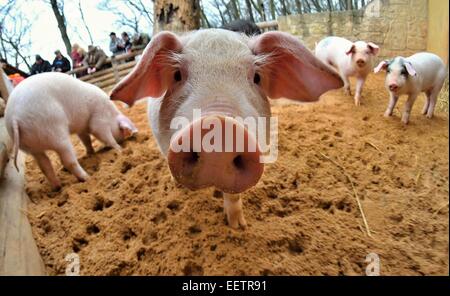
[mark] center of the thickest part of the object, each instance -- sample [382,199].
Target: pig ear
[152,75]
[126,127]
[289,70]
[374,49]
[381,66]
[409,67]
[351,50]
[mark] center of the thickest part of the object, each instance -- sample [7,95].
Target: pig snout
[393,87]
[361,63]
[232,166]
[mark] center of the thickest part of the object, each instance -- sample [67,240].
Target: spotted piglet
[422,72]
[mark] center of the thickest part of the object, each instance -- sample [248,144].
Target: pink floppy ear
[151,77]
[409,67]
[127,128]
[374,49]
[289,70]
[351,50]
[381,66]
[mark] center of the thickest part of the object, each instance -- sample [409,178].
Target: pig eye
[177,76]
[388,70]
[404,73]
[257,78]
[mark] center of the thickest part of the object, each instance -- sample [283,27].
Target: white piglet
[421,72]
[351,59]
[226,75]
[45,109]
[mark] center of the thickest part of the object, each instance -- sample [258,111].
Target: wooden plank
[5,85]
[19,254]
[5,146]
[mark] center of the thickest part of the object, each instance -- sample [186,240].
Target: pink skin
[422,72]
[225,74]
[74,107]
[350,59]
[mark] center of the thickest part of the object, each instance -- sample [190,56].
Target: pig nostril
[238,162]
[193,157]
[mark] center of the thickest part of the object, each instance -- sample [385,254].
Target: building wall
[399,27]
[438,28]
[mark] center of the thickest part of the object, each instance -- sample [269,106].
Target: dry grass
[442,104]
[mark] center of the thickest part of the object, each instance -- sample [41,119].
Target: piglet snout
[218,151]
[361,63]
[393,87]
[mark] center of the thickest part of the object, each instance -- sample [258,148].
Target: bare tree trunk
[349,5]
[234,5]
[176,15]
[58,10]
[273,10]
[222,18]
[261,9]
[205,20]
[298,5]
[91,40]
[249,9]
[329,5]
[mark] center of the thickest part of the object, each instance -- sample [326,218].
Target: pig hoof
[387,114]
[357,102]
[235,222]
[56,187]
[405,121]
[429,116]
[83,178]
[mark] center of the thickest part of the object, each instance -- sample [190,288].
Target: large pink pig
[350,59]
[225,75]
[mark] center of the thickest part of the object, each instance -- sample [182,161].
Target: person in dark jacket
[247,27]
[40,66]
[60,63]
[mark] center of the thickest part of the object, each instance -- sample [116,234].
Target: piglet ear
[127,128]
[381,66]
[409,67]
[351,50]
[374,49]
[152,75]
[289,70]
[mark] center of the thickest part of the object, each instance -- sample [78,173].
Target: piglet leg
[392,102]
[70,162]
[106,137]
[359,86]
[46,167]
[408,106]
[232,206]
[347,89]
[433,100]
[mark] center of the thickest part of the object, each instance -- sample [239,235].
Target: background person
[40,66]
[60,63]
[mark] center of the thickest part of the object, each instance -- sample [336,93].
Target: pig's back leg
[433,99]
[46,167]
[69,159]
[427,103]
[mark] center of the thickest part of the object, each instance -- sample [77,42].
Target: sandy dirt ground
[131,219]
